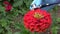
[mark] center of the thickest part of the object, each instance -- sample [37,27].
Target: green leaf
[55,8]
[17,33]
[2,8]
[3,22]
[9,0]
[25,32]
[23,11]
[9,32]
[58,19]
[18,3]
[54,30]
[15,13]
[17,26]
[16,0]
[28,2]
[0,0]
[1,29]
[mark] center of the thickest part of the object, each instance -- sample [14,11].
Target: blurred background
[12,13]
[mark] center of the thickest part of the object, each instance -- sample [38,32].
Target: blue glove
[36,2]
[42,2]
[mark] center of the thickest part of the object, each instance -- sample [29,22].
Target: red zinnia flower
[8,6]
[37,20]
[6,2]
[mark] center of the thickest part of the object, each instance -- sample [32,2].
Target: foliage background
[12,22]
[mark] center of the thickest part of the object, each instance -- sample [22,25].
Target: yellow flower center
[37,15]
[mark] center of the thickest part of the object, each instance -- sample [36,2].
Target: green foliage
[58,19]
[7,19]
[17,33]
[13,19]
[2,8]
[54,30]
[3,22]
[17,3]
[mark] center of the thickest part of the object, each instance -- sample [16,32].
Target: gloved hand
[37,3]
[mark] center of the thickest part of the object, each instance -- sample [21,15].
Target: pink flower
[6,2]
[8,6]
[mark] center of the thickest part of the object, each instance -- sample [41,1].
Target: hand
[49,2]
[37,4]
